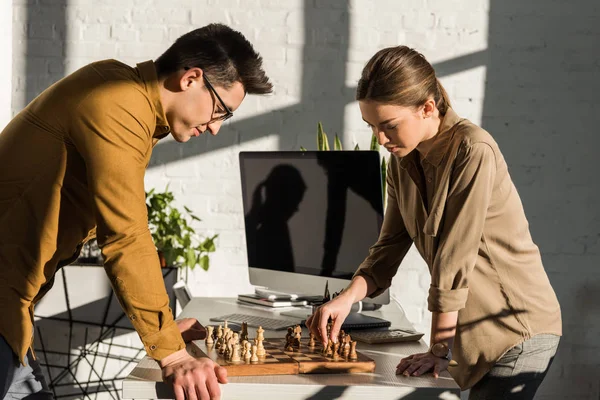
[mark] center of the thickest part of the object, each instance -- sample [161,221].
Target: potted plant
[176,241]
[323,145]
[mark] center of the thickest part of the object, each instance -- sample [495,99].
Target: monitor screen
[311,212]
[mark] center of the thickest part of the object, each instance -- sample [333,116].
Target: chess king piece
[353,355]
[260,337]
[209,334]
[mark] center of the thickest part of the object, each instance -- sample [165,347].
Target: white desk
[145,381]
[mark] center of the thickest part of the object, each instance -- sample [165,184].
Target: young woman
[495,314]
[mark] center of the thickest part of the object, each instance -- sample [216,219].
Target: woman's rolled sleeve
[466,207]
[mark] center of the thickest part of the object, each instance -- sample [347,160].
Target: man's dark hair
[224,55]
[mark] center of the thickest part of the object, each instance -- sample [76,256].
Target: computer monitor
[310,217]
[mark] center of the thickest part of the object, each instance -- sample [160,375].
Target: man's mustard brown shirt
[463,213]
[72,160]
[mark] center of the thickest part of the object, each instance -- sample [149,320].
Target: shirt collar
[148,74]
[440,145]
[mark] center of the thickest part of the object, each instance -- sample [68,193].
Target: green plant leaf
[374,143]
[337,143]
[356,147]
[204,263]
[322,142]
[302,148]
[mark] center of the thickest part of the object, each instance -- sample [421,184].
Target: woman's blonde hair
[401,76]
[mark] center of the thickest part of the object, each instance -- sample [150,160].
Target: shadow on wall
[541,105]
[46,45]
[320,93]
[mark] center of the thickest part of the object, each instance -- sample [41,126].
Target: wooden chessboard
[280,362]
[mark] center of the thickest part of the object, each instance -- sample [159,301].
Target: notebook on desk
[362,321]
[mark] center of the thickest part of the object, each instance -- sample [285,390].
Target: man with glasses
[72,166]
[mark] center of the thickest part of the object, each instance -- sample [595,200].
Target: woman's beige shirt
[466,219]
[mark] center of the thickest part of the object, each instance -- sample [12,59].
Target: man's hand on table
[193,378]
[191,329]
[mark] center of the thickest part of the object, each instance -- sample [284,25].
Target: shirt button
[429,179]
[132,317]
[153,347]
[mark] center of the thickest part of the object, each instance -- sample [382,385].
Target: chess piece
[248,351]
[243,347]
[327,350]
[244,334]
[336,348]
[289,336]
[259,338]
[226,324]
[346,346]
[209,334]
[219,342]
[254,357]
[353,355]
[236,353]
[297,336]
[311,340]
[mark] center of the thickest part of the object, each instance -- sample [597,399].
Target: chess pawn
[248,351]
[254,357]
[311,340]
[243,347]
[353,355]
[328,349]
[236,353]
[209,335]
[336,347]
[236,337]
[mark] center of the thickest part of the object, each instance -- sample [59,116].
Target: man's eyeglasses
[228,114]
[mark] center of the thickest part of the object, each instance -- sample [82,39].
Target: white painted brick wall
[496,60]
[6,35]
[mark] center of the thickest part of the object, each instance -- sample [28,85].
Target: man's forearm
[443,327]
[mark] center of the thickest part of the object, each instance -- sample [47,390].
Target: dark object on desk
[387,336]
[356,321]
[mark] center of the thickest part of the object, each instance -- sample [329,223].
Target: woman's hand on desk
[193,378]
[336,309]
[418,364]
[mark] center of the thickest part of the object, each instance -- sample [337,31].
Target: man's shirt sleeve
[112,131]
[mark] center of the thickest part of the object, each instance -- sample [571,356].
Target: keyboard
[275,324]
[386,336]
